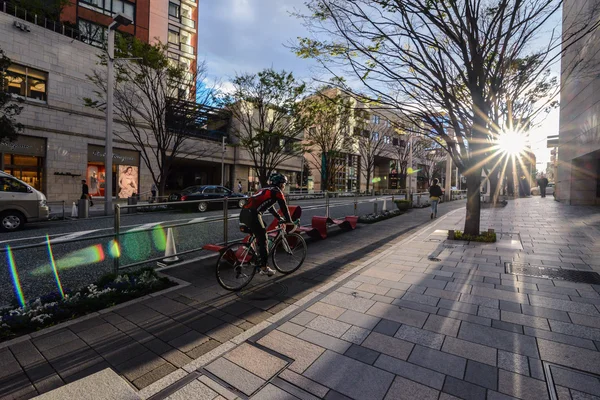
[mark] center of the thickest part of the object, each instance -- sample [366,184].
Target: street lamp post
[118,20]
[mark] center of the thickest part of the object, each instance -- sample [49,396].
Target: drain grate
[552,273]
[561,379]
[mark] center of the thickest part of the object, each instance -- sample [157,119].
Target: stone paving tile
[359,319]
[421,299]
[350,377]
[564,305]
[438,361]
[302,352]
[444,294]
[154,375]
[323,340]
[363,354]
[465,317]
[463,390]
[458,306]
[513,362]
[368,287]
[487,312]
[570,356]
[140,365]
[189,341]
[482,375]
[443,325]
[575,330]
[290,328]
[509,341]
[545,313]
[415,306]
[388,345]
[395,285]
[411,371]
[507,326]
[510,306]
[404,389]
[356,335]
[194,390]
[234,375]
[479,300]
[349,302]
[54,339]
[527,320]
[326,310]
[470,350]
[333,395]
[394,313]
[303,318]
[328,326]
[16,386]
[420,336]
[224,332]
[304,383]
[586,320]
[387,327]
[559,337]
[521,386]
[500,295]
[271,392]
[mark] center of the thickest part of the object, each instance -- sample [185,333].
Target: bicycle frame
[280,236]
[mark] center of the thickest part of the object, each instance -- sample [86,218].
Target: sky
[237,36]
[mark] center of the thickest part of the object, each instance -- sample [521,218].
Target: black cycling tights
[255,223]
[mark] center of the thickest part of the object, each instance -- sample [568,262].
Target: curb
[174,377]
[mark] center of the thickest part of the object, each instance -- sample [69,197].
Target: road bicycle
[238,262]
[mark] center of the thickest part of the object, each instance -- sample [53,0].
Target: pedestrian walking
[435,194]
[543,184]
[153,190]
[85,192]
[240,186]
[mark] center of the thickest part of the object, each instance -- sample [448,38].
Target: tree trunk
[472,221]
[368,180]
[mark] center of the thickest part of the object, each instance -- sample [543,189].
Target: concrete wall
[579,135]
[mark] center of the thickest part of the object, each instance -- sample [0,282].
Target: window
[109,7]
[209,190]
[11,185]
[387,123]
[27,82]
[173,37]
[174,10]
[386,139]
[375,136]
[92,33]
[375,119]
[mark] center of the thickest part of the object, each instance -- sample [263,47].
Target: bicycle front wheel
[234,266]
[289,253]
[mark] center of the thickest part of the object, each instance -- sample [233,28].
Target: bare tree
[373,137]
[445,61]
[156,102]
[269,121]
[329,136]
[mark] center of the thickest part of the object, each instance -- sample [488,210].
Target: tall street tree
[156,102]
[268,118]
[329,137]
[9,104]
[445,61]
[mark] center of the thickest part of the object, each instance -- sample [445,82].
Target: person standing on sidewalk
[85,192]
[153,190]
[435,194]
[543,183]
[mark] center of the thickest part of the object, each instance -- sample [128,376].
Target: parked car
[19,204]
[549,190]
[209,192]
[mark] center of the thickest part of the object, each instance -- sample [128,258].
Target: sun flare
[511,143]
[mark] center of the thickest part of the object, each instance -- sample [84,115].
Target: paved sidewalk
[436,319]
[158,336]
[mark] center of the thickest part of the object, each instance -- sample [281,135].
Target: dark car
[209,192]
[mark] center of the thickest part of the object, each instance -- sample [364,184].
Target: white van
[20,203]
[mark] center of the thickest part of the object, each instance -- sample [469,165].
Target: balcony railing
[186,48]
[188,22]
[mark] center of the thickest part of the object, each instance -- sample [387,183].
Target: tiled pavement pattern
[149,340]
[406,327]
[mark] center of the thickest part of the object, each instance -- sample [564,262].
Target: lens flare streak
[54,270]
[15,277]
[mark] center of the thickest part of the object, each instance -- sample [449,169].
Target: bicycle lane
[161,339]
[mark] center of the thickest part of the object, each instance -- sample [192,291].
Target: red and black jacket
[265,199]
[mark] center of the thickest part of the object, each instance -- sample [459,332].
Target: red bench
[320,224]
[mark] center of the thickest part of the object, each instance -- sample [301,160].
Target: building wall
[579,132]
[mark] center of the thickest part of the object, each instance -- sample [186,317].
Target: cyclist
[251,215]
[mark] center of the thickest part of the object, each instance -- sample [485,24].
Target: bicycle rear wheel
[289,253]
[234,266]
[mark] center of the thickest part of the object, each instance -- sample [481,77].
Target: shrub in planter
[52,308]
[403,205]
[370,218]
[486,237]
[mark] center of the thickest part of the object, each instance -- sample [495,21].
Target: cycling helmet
[278,179]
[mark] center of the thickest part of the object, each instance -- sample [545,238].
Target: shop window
[26,82]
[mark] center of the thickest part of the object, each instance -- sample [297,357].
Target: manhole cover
[561,379]
[263,293]
[552,273]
